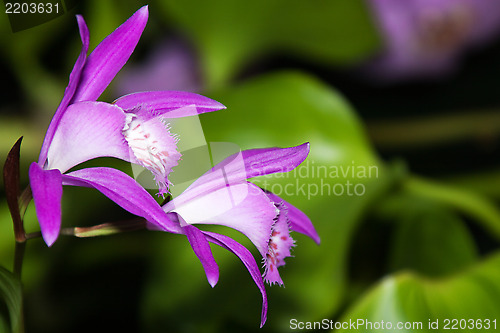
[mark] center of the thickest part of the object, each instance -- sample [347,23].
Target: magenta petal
[109,57]
[168,104]
[46,186]
[74,78]
[243,165]
[265,161]
[248,260]
[125,192]
[299,221]
[202,250]
[88,130]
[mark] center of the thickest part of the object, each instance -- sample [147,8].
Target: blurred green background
[419,239]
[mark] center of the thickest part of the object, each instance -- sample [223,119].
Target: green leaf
[11,295]
[405,297]
[229,34]
[432,241]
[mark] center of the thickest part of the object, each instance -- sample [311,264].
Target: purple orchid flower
[132,128]
[425,38]
[223,196]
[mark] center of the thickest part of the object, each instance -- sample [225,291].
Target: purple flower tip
[212,280]
[143,11]
[50,238]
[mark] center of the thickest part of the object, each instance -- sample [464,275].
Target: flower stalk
[106,229]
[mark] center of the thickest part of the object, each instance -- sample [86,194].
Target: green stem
[20,234]
[18,258]
[486,183]
[470,203]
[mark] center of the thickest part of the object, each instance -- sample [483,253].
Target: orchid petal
[244,207]
[109,57]
[243,165]
[46,186]
[299,221]
[168,104]
[248,260]
[88,130]
[125,192]
[265,161]
[202,250]
[74,78]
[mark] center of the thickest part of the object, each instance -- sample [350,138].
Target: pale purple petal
[248,260]
[168,104]
[243,207]
[46,186]
[125,192]
[202,250]
[109,57]
[88,130]
[299,221]
[74,78]
[243,165]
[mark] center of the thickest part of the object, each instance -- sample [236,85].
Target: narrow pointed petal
[265,161]
[202,250]
[46,186]
[74,78]
[248,260]
[88,130]
[244,207]
[243,165]
[125,192]
[299,221]
[109,57]
[168,104]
